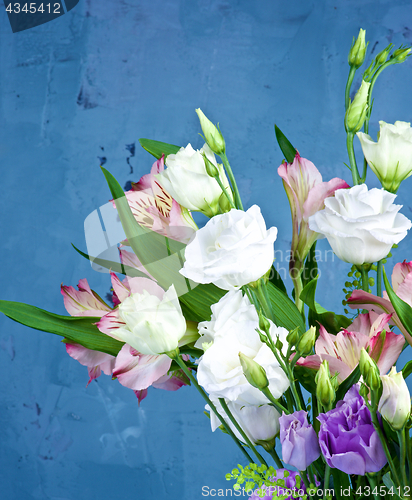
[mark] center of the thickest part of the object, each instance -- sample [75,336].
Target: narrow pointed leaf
[402,309]
[79,330]
[157,148]
[285,311]
[286,147]
[277,280]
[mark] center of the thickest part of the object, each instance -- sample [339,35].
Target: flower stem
[352,159]
[276,458]
[275,403]
[241,432]
[402,458]
[374,485]
[238,201]
[365,279]
[222,187]
[304,478]
[379,279]
[188,373]
[352,72]
[297,283]
[326,482]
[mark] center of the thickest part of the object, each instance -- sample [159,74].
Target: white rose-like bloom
[232,308]
[361,226]
[154,323]
[187,181]
[231,250]
[259,423]
[220,372]
[391,157]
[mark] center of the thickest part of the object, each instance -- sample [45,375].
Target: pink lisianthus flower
[133,369]
[342,351]
[402,286]
[154,208]
[306,193]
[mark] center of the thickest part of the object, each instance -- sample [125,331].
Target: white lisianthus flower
[220,372]
[232,308]
[361,226]
[395,402]
[259,423]
[154,323]
[231,250]
[187,181]
[391,157]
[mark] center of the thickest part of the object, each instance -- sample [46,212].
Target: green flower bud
[212,134]
[293,337]
[401,54]
[307,342]
[358,50]
[254,373]
[356,112]
[211,169]
[382,57]
[325,391]
[369,371]
[264,324]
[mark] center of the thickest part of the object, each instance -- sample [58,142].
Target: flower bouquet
[317,393]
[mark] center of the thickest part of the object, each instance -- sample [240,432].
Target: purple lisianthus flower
[348,439]
[299,441]
[289,485]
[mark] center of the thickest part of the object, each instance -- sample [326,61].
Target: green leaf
[407,369]
[197,302]
[349,381]
[287,149]
[276,280]
[341,482]
[285,311]
[317,314]
[157,148]
[79,330]
[402,309]
[387,480]
[306,377]
[116,267]
[310,269]
[161,257]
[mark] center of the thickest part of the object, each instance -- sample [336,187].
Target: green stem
[188,373]
[365,279]
[373,483]
[402,458]
[352,72]
[352,159]
[275,403]
[298,285]
[276,458]
[241,431]
[304,477]
[326,482]
[379,279]
[238,201]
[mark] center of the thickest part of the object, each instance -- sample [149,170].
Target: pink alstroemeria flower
[342,351]
[402,286]
[133,369]
[154,208]
[306,193]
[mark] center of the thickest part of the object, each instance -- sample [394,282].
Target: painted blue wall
[100,77]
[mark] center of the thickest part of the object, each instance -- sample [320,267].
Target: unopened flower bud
[211,169]
[264,324]
[358,50]
[293,337]
[213,136]
[382,57]
[307,342]
[356,112]
[324,388]
[401,54]
[395,402]
[254,373]
[369,371]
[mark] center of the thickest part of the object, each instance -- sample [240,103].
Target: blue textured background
[101,76]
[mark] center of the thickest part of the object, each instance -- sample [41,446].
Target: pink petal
[145,182]
[83,302]
[315,200]
[313,362]
[130,259]
[94,360]
[138,371]
[400,272]
[138,285]
[120,289]
[387,354]
[404,290]
[110,322]
[325,343]
[172,383]
[141,395]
